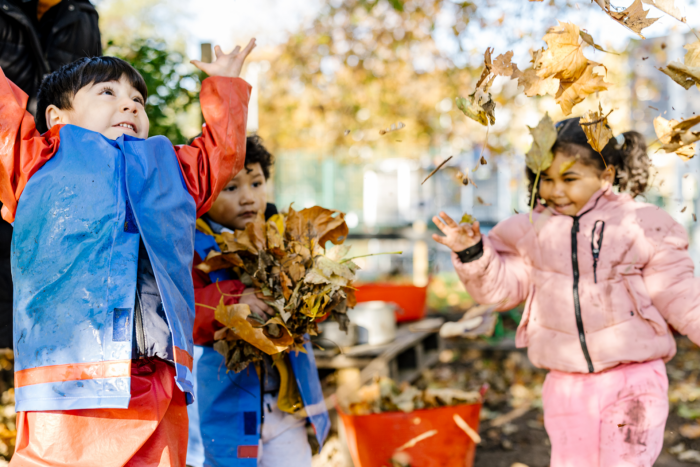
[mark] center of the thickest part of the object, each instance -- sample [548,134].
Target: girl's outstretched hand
[457,237]
[228,65]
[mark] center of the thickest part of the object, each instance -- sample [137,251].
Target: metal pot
[376,322]
[330,330]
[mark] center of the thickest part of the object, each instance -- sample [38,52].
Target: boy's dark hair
[630,158]
[59,87]
[255,152]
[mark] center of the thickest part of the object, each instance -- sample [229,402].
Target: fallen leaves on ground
[286,259]
[676,136]
[687,73]
[384,395]
[595,126]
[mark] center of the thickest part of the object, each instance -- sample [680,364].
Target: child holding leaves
[601,274]
[104,226]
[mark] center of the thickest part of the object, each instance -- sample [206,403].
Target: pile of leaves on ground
[286,260]
[384,395]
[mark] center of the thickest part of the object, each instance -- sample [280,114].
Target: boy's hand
[457,237]
[253,299]
[228,65]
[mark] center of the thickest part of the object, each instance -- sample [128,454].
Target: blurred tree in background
[173,86]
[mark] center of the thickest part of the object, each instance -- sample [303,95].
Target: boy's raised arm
[210,161]
[22,149]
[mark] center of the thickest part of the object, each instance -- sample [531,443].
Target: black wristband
[472,253]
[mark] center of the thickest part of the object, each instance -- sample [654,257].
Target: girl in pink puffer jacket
[601,274]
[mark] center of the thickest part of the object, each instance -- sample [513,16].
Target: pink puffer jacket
[642,278]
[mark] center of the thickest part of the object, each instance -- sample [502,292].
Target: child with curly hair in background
[601,274]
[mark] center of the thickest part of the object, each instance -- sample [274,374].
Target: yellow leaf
[588,39]
[234,317]
[544,135]
[534,85]
[598,133]
[571,93]
[564,57]
[502,65]
[567,165]
[676,136]
[467,219]
[687,73]
[668,7]
[480,109]
[634,17]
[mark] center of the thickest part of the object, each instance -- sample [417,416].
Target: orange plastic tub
[409,298]
[373,439]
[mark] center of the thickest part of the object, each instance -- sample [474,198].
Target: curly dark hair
[255,152]
[630,158]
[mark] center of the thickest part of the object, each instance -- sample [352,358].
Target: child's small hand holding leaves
[457,237]
[228,65]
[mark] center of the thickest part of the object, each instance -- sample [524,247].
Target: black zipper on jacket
[595,248]
[138,328]
[577,303]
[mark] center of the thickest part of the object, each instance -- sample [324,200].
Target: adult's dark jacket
[30,48]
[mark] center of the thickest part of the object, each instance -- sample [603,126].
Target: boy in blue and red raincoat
[258,416]
[104,222]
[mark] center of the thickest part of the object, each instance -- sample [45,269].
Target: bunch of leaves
[540,156]
[676,136]
[286,260]
[687,73]
[562,70]
[173,85]
[384,395]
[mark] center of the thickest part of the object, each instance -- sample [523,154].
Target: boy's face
[241,200]
[112,108]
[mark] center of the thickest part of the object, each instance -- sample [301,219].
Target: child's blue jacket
[72,194]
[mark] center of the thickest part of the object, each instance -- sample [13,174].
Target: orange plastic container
[409,298]
[373,439]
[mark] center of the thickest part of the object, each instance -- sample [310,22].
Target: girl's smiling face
[568,190]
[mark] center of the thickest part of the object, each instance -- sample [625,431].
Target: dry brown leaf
[502,65]
[534,85]
[589,40]
[571,93]
[687,73]
[234,318]
[481,201]
[668,7]
[564,57]
[683,210]
[595,125]
[316,222]
[394,127]
[634,17]
[676,136]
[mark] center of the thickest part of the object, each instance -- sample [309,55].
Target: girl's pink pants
[608,419]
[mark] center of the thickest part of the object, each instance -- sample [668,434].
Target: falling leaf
[534,85]
[686,175]
[687,73]
[684,208]
[595,126]
[502,65]
[473,435]
[589,40]
[571,93]
[653,108]
[676,136]
[564,57]
[482,161]
[540,157]
[467,219]
[695,219]
[346,132]
[481,201]
[568,164]
[620,425]
[668,7]
[633,18]
[436,169]
[479,108]
[459,176]
[394,127]
[515,211]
